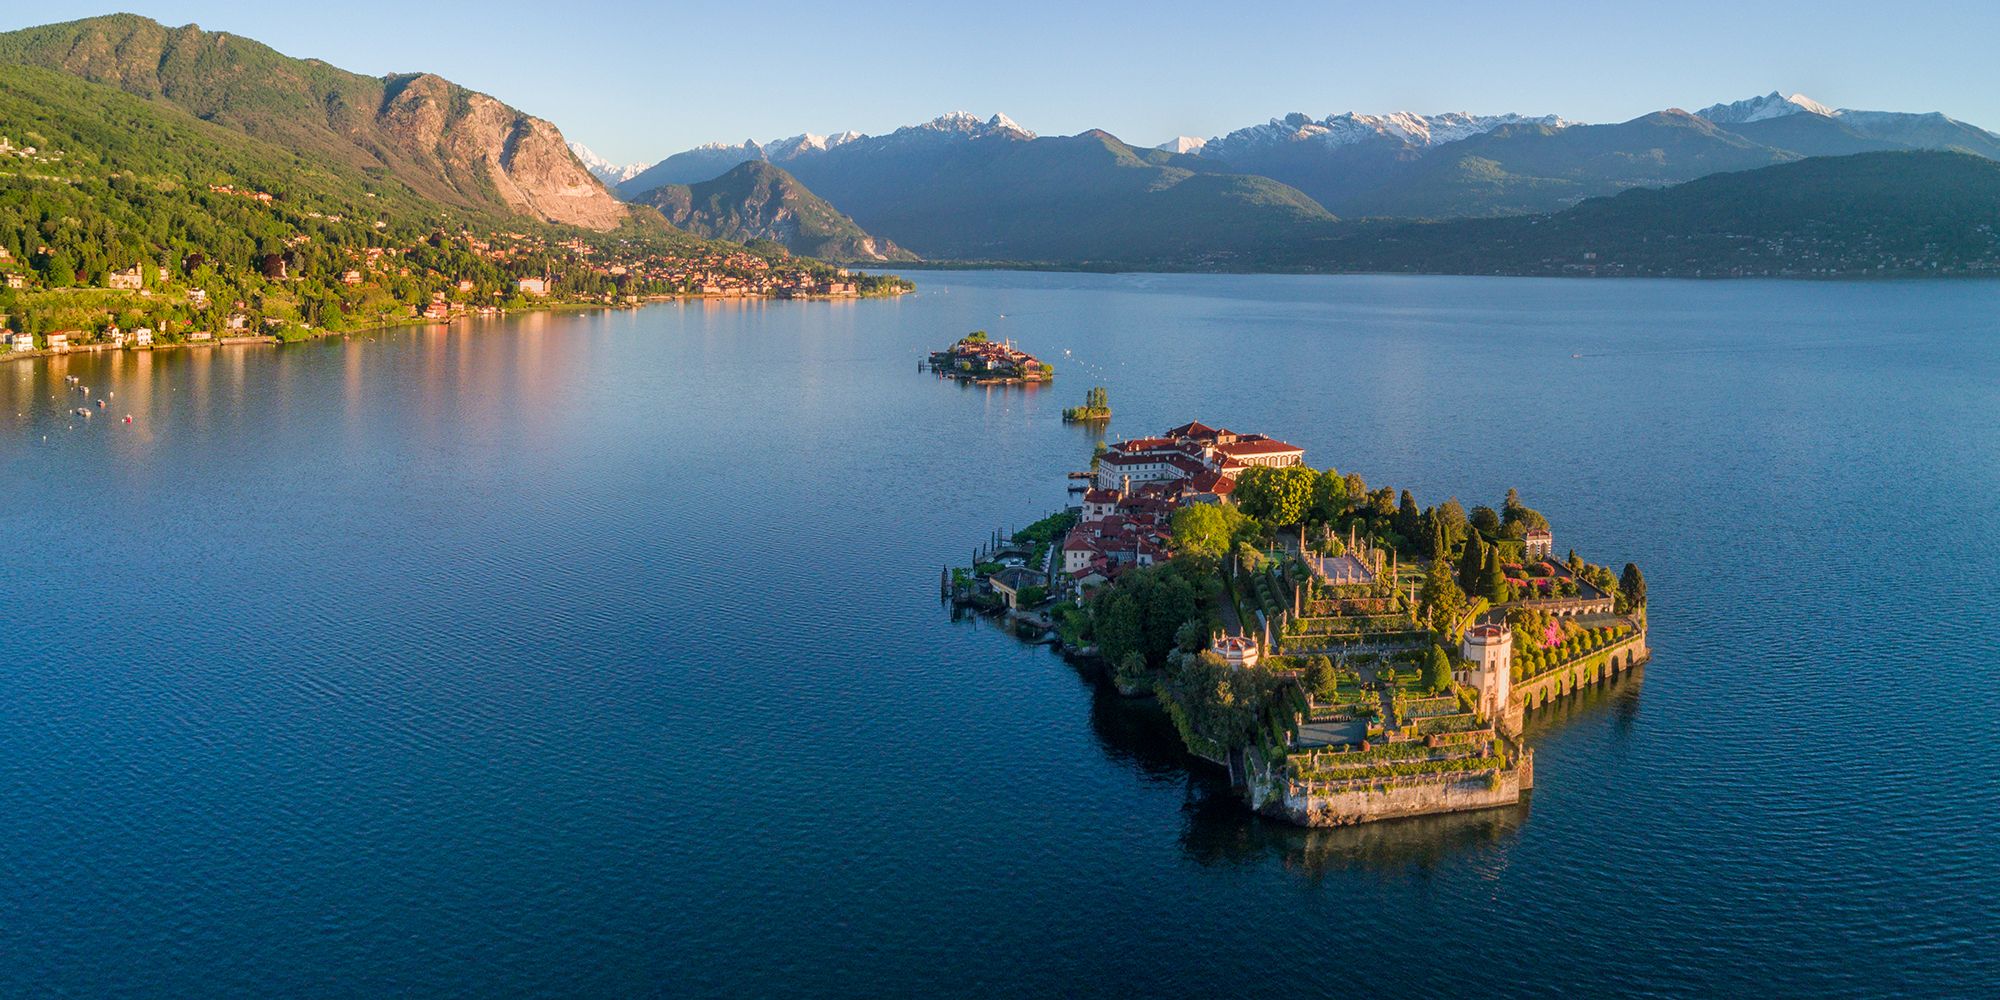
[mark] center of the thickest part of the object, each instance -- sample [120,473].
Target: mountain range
[967,188]
[420,153]
[611,174]
[1885,213]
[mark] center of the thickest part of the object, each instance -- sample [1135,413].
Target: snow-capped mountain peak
[800,145]
[1348,127]
[1757,109]
[969,125]
[1182,144]
[1002,123]
[605,170]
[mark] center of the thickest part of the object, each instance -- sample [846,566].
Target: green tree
[1517,518]
[1329,497]
[1441,601]
[1144,611]
[1493,585]
[1131,670]
[1191,636]
[1319,676]
[1472,566]
[1382,502]
[60,271]
[1631,589]
[1486,521]
[1276,496]
[1209,531]
[1436,676]
[1452,515]
[1409,520]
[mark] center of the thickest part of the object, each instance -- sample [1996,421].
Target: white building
[1540,543]
[1240,650]
[1489,655]
[1189,451]
[22,342]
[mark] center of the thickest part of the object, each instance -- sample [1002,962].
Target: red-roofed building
[1540,543]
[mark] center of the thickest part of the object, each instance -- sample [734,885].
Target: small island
[979,359]
[1345,654]
[1096,408]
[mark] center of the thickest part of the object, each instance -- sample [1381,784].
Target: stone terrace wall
[1401,797]
[1620,656]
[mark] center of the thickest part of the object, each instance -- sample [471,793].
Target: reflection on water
[1220,831]
[597,653]
[1618,694]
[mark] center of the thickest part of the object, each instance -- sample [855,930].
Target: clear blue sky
[637,81]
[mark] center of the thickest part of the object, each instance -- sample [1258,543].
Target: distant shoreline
[1160,267]
[276,341]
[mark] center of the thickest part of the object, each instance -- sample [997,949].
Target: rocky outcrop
[482,146]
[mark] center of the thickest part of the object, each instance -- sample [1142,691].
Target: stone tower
[1489,655]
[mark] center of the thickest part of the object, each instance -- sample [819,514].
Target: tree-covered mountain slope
[760,201]
[449,144]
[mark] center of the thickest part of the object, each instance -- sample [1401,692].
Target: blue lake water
[601,653]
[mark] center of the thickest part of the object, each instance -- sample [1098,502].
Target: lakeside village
[1346,655]
[146,305]
[232,262]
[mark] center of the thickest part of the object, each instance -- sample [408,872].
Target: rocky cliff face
[443,141]
[485,148]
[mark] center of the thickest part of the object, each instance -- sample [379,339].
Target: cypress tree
[1407,517]
[1495,585]
[1472,566]
[1632,587]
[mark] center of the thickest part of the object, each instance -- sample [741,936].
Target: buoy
[128,418]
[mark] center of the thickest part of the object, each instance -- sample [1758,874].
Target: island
[980,360]
[1343,653]
[1096,408]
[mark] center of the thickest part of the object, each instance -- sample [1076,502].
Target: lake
[587,653]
